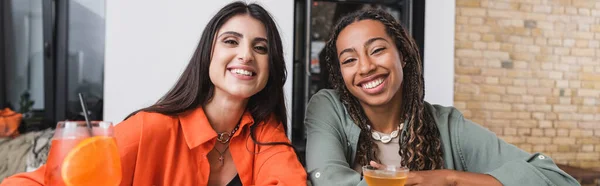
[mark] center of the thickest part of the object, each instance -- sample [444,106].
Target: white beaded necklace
[386,138]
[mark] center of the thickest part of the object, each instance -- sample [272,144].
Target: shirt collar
[197,130]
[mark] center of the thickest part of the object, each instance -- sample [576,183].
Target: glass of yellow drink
[385,175]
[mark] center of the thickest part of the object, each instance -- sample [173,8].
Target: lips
[371,81]
[242,72]
[373,85]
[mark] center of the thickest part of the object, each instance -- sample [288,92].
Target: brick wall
[529,70]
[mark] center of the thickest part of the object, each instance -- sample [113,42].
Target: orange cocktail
[79,156]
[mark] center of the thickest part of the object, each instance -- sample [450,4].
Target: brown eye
[377,51]
[261,49]
[348,61]
[230,42]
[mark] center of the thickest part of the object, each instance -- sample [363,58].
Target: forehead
[245,25]
[357,33]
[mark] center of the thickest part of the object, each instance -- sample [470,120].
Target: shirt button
[317,175]
[541,157]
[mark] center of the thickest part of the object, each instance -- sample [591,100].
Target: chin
[242,92]
[374,102]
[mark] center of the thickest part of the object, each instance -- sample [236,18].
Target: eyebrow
[369,42]
[346,50]
[237,34]
[259,39]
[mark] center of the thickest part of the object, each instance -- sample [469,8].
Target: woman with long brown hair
[223,123]
[376,115]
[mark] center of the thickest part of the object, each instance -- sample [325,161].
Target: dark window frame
[56,32]
[3,22]
[61,59]
[418,26]
[49,20]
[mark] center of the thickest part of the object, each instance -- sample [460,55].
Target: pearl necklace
[386,138]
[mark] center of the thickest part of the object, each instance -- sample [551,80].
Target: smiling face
[239,64]
[370,63]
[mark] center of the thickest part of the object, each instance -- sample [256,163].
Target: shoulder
[444,113]
[144,123]
[325,111]
[152,121]
[450,121]
[328,93]
[270,129]
[326,97]
[326,102]
[453,124]
[447,118]
[450,116]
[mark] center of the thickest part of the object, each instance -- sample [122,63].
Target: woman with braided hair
[376,115]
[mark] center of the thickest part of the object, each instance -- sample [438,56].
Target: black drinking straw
[85,113]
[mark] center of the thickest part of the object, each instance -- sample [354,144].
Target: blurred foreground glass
[79,156]
[385,176]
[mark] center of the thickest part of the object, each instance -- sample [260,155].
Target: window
[85,59]
[51,51]
[23,59]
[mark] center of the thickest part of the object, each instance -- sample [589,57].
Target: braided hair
[420,147]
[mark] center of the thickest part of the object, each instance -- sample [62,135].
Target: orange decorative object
[83,165]
[9,123]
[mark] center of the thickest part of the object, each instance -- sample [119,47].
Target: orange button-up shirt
[172,150]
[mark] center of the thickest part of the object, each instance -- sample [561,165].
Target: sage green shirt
[333,138]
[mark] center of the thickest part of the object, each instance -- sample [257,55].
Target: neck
[224,112]
[385,118]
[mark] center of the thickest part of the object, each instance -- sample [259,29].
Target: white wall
[439,51]
[149,42]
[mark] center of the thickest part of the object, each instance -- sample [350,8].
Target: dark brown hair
[420,147]
[194,88]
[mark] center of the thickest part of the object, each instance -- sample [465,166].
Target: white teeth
[242,72]
[373,84]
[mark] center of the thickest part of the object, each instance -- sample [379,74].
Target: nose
[366,66]
[245,54]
